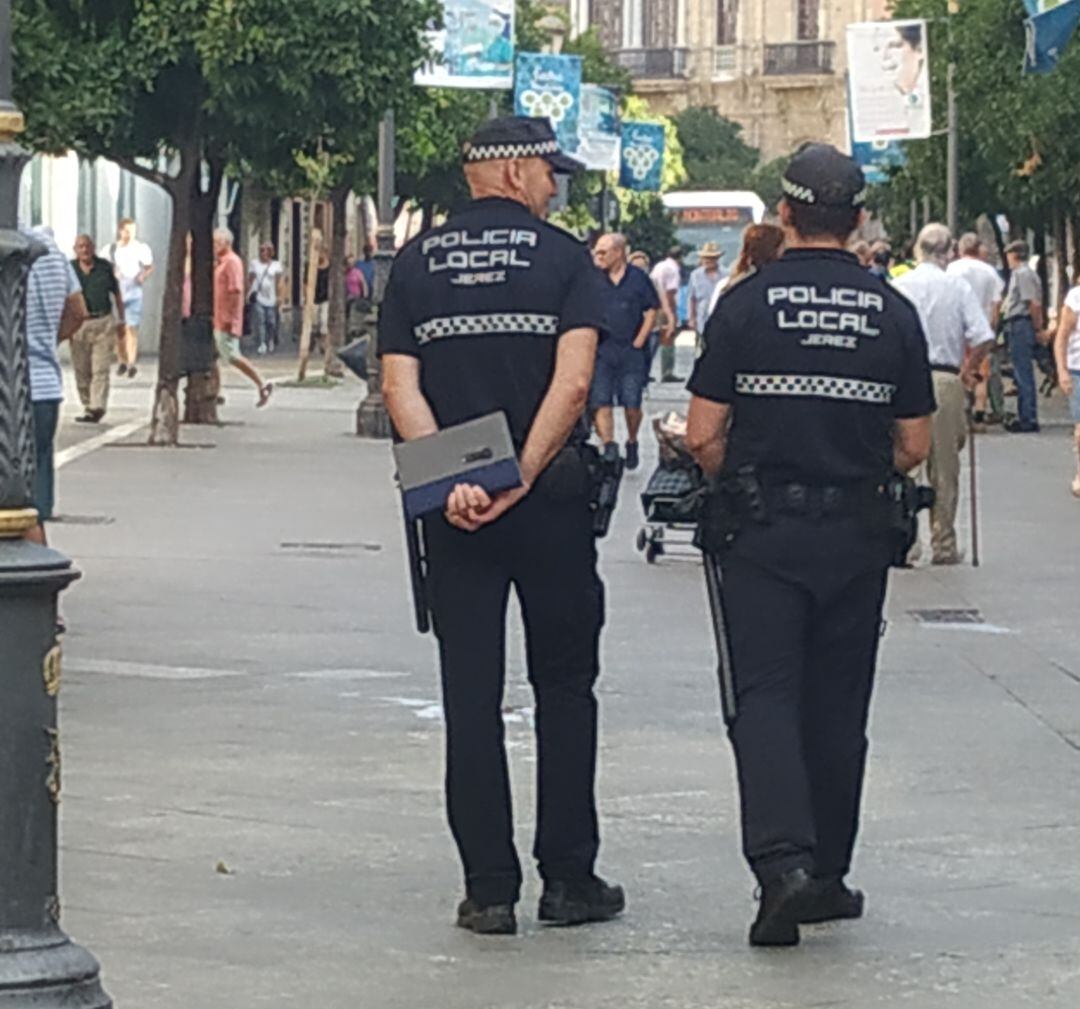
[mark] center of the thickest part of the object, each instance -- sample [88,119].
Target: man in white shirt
[265,283]
[959,337]
[667,276]
[133,262]
[989,289]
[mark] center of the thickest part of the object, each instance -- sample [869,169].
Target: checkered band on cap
[797,192]
[815,386]
[507,152]
[492,324]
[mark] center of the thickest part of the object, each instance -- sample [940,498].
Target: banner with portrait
[549,87]
[642,161]
[599,129]
[889,70]
[474,46]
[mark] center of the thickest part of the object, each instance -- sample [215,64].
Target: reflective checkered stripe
[492,324]
[506,152]
[815,386]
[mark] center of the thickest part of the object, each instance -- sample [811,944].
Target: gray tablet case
[479,452]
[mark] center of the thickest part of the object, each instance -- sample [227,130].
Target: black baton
[714,584]
[418,573]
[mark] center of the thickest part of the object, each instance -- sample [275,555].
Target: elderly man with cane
[959,338]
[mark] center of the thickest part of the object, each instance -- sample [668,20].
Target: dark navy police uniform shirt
[628,301]
[482,302]
[819,359]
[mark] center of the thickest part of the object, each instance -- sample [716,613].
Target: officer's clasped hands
[470,507]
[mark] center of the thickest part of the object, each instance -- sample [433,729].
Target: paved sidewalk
[244,692]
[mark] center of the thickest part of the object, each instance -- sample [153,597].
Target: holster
[732,502]
[605,478]
[895,513]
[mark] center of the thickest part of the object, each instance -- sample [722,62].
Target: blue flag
[1048,33]
[642,165]
[549,87]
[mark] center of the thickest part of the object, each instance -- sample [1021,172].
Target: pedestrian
[862,251]
[881,260]
[1023,321]
[1067,356]
[703,284]
[813,387]
[959,338]
[622,358]
[322,298]
[133,262]
[357,293]
[229,311]
[266,291]
[762,244]
[640,259]
[366,266]
[495,310]
[667,276]
[972,266]
[92,345]
[55,309]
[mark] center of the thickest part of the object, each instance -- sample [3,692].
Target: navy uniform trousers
[545,550]
[803,602]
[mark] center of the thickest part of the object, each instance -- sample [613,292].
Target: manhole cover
[84,520]
[947,616]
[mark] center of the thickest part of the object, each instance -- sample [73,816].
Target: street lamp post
[39,966]
[372,420]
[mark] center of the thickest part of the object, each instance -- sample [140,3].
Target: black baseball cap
[518,137]
[820,176]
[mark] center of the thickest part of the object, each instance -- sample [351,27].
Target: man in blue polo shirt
[622,362]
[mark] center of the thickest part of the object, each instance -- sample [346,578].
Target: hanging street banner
[474,46]
[877,158]
[643,146]
[549,87]
[599,129]
[890,81]
[1049,30]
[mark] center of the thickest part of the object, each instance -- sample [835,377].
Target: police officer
[498,311]
[814,388]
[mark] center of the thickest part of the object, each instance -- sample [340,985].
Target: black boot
[576,902]
[784,903]
[833,901]
[486,919]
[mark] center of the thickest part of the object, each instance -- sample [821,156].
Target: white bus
[719,217]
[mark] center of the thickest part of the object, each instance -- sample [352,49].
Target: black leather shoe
[578,902]
[486,919]
[784,903]
[833,901]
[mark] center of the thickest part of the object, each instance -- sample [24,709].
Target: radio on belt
[479,452]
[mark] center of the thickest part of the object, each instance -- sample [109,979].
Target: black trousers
[545,550]
[803,602]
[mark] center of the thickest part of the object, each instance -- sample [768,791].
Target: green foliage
[766,181]
[714,152]
[649,226]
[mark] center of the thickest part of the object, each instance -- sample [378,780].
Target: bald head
[610,253]
[529,181]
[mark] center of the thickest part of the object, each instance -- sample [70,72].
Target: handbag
[255,293]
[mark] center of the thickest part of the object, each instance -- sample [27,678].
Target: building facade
[777,67]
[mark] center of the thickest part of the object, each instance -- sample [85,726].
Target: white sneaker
[262,349]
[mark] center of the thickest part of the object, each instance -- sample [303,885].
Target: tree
[176,90]
[714,153]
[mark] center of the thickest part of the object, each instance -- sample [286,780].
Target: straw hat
[710,250]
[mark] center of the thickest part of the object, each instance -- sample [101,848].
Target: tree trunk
[1040,251]
[1061,257]
[335,326]
[314,248]
[203,387]
[1074,248]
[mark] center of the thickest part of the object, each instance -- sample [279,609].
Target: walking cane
[974,490]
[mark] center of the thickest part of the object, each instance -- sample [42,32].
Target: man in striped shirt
[55,309]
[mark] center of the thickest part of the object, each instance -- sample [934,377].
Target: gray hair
[969,244]
[934,244]
[224,234]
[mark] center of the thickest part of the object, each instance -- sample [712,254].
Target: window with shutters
[808,20]
[727,16]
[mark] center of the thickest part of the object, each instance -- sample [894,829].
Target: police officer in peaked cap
[813,391]
[497,310]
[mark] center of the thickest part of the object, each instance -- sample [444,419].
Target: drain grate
[84,520]
[331,547]
[948,616]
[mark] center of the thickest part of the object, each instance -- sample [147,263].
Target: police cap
[518,137]
[820,176]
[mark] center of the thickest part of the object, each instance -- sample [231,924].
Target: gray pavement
[252,810]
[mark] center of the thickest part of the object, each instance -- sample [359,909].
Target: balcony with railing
[799,59]
[655,64]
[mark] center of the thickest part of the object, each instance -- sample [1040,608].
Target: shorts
[46,414]
[619,379]
[133,309]
[228,346]
[1074,399]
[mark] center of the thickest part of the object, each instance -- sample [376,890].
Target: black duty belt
[816,501]
[950,369]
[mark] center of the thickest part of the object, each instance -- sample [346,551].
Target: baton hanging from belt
[973,477]
[714,584]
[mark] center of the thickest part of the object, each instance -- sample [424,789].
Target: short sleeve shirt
[818,359]
[1024,287]
[229,281]
[983,279]
[98,285]
[703,287]
[264,281]
[628,301]
[482,302]
[667,276]
[50,283]
[130,260]
[1072,301]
